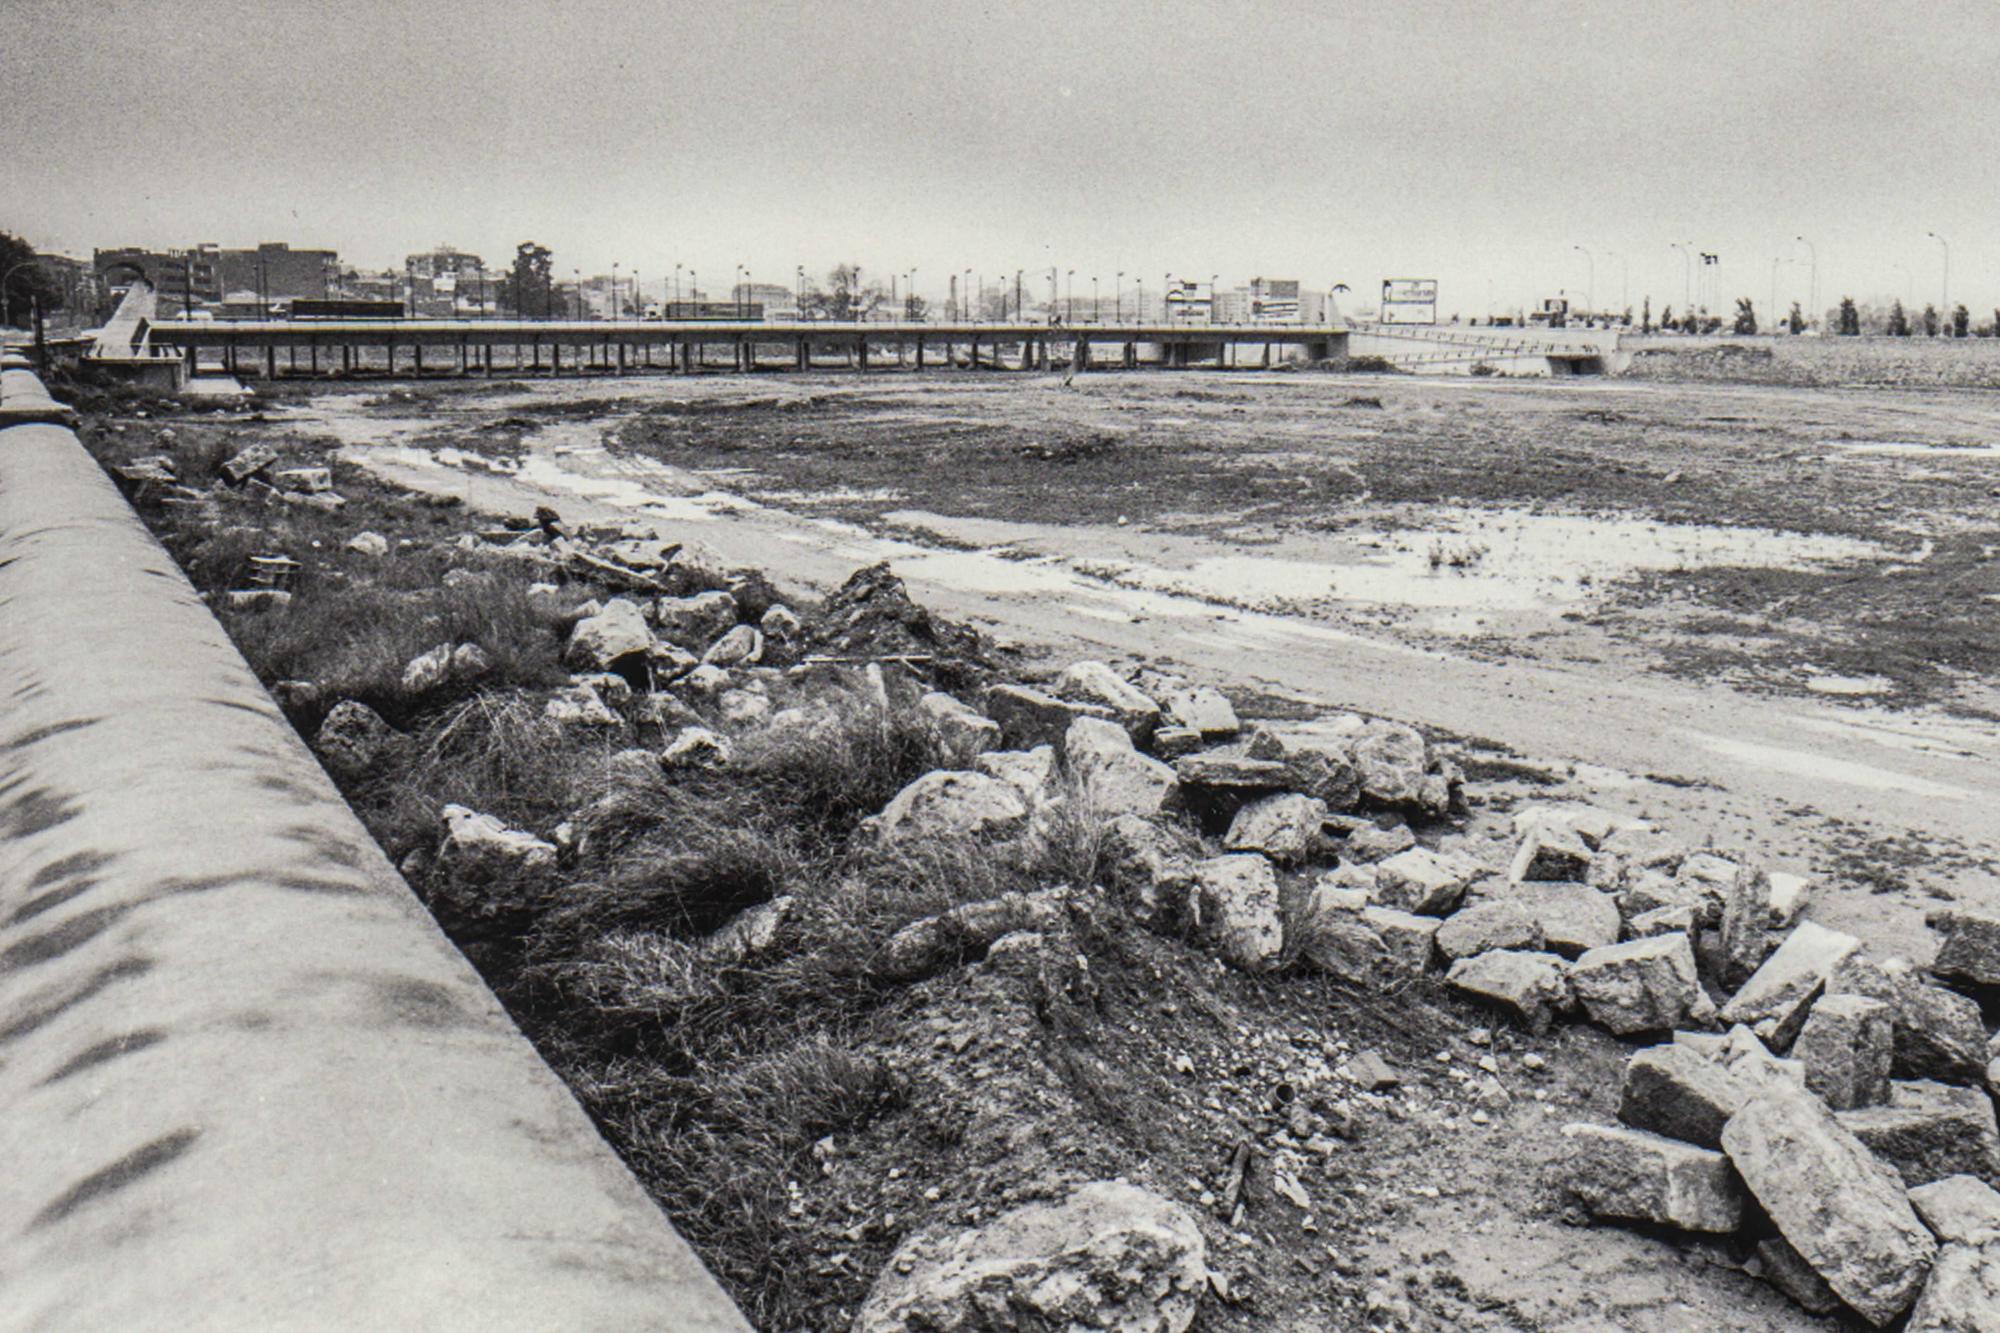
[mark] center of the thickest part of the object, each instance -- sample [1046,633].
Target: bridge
[483,346]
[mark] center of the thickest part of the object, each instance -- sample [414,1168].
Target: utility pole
[1687,275]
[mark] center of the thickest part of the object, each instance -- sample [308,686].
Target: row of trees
[1852,320]
[25,282]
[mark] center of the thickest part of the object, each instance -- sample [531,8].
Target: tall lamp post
[1096,303]
[1813,287]
[1118,294]
[612,312]
[1687,276]
[1944,295]
[1069,297]
[1590,286]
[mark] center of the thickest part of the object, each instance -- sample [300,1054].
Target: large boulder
[1745,929]
[1150,867]
[1928,1131]
[1846,1046]
[1970,950]
[953,804]
[1096,683]
[1411,940]
[1963,1294]
[1774,1001]
[1238,895]
[1029,718]
[695,622]
[477,845]
[1337,938]
[1831,1199]
[963,733]
[1574,917]
[354,740]
[1393,764]
[1200,708]
[1284,827]
[1317,764]
[1423,881]
[1484,926]
[1645,985]
[1640,1177]
[965,932]
[1672,1090]
[1108,1256]
[610,639]
[1222,782]
[1533,987]
[1027,771]
[1111,776]
[742,645]
[1959,1208]
[1940,1034]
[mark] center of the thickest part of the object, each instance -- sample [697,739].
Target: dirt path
[1710,762]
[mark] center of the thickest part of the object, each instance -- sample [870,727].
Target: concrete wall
[246,1081]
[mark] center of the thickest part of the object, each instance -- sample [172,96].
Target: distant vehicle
[313,307]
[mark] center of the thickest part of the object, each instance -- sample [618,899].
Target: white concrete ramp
[247,1083]
[125,336]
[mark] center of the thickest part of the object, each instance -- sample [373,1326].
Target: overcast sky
[1476,143]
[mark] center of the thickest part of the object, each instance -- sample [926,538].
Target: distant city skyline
[1510,152]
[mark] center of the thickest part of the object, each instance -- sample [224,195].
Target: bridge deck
[643,332]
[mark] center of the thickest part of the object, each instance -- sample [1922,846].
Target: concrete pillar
[346,359]
[920,351]
[975,351]
[1267,356]
[802,355]
[555,358]
[863,353]
[417,357]
[1131,355]
[270,361]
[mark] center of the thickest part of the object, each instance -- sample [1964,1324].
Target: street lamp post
[739,291]
[613,312]
[1944,295]
[967,311]
[1590,287]
[1096,307]
[1687,276]
[1069,297]
[1812,287]
[1118,297]
[1211,296]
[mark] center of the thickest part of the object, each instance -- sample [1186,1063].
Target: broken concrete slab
[1501,924]
[1928,1131]
[1846,1047]
[1831,1199]
[1636,1176]
[1959,1208]
[1423,881]
[1673,1090]
[1970,950]
[1533,987]
[1774,1001]
[1646,985]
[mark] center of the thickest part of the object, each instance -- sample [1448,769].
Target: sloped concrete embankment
[246,1080]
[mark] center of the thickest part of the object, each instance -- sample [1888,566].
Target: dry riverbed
[1543,567]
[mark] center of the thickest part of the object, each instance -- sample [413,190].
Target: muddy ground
[1762,616]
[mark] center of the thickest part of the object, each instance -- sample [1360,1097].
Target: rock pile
[1845,1101]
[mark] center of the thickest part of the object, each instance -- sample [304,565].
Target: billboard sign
[1409,300]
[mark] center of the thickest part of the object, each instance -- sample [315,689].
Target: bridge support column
[801,358]
[861,352]
[1131,356]
[920,351]
[1266,363]
[270,361]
